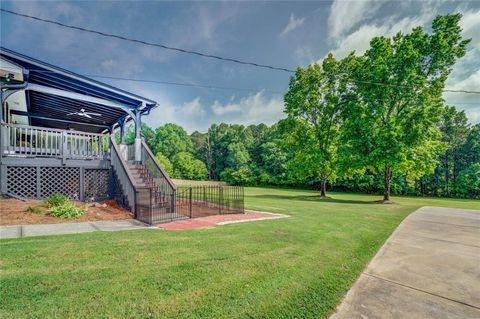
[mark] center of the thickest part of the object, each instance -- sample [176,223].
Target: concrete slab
[10,231]
[118,225]
[428,268]
[380,299]
[69,228]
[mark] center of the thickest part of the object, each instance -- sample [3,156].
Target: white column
[138,137]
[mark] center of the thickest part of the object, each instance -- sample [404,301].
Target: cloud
[292,24]
[193,108]
[199,115]
[359,40]
[252,109]
[344,15]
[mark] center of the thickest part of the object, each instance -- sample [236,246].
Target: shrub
[34,209]
[56,200]
[66,210]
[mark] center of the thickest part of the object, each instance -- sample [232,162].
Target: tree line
[373,123]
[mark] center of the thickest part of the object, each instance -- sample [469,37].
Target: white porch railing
[32,141]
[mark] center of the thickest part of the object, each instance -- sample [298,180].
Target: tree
[391,127]
[471,148]
[469,181]
[171,139]
[145,130]
[313,103]
[218,139]
[165,163]
[454,128]
[187,167]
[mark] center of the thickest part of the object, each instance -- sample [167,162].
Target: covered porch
[57,135]
[48,112]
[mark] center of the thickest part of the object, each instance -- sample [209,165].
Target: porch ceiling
[57,107]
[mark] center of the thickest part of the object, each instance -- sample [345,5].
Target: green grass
[298,267]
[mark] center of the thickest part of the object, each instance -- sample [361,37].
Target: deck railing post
[64,147]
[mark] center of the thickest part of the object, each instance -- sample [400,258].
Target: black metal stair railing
[155,200]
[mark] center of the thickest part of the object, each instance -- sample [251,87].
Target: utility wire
[204,86]
[163,46]
[159,45]
[207,86]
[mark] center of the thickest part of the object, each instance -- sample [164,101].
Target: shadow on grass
[316,198]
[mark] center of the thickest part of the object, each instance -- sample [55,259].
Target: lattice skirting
[41,182]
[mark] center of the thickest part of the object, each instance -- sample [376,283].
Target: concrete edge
[251,219]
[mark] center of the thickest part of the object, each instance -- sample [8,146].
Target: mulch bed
[14,212]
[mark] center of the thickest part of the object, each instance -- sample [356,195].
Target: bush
[66,210]
[34,209]
[56,200]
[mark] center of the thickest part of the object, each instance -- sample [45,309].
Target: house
[57,136]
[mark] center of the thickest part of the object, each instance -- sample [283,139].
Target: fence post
[220,199]
[150,208]
[204,196]
[190,196]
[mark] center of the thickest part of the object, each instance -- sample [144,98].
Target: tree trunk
[323,187]
[387,173]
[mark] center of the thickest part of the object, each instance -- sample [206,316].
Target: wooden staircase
[142,178]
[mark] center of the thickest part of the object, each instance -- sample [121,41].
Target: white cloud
[193,108]
[359,40]
[252,109]
[344,15]
[195,115]
[293,23]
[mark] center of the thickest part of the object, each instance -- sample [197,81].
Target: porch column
[2,135]
[138,137]
[123,147]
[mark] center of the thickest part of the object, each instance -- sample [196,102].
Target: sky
[284,34]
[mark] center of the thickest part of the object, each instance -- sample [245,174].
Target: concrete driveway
[428,268]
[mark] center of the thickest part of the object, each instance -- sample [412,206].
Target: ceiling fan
[85,114]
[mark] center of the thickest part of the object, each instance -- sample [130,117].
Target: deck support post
[81,194]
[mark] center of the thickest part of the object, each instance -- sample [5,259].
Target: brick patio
[212,221]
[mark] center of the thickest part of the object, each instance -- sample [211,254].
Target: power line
[411,86]
[158,45]
[204,86]
[207,86]
[163,46]
[185,84]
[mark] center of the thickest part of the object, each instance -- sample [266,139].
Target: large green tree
[171,139]
[313,103]
[188,167]
[391,127]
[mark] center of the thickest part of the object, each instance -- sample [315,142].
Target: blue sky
[283,34]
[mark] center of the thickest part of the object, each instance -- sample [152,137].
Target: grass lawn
[298,267]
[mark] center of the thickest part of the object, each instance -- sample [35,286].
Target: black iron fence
[154,207]
[187,202]
[204,200]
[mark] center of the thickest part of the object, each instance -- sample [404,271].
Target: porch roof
[52,93]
